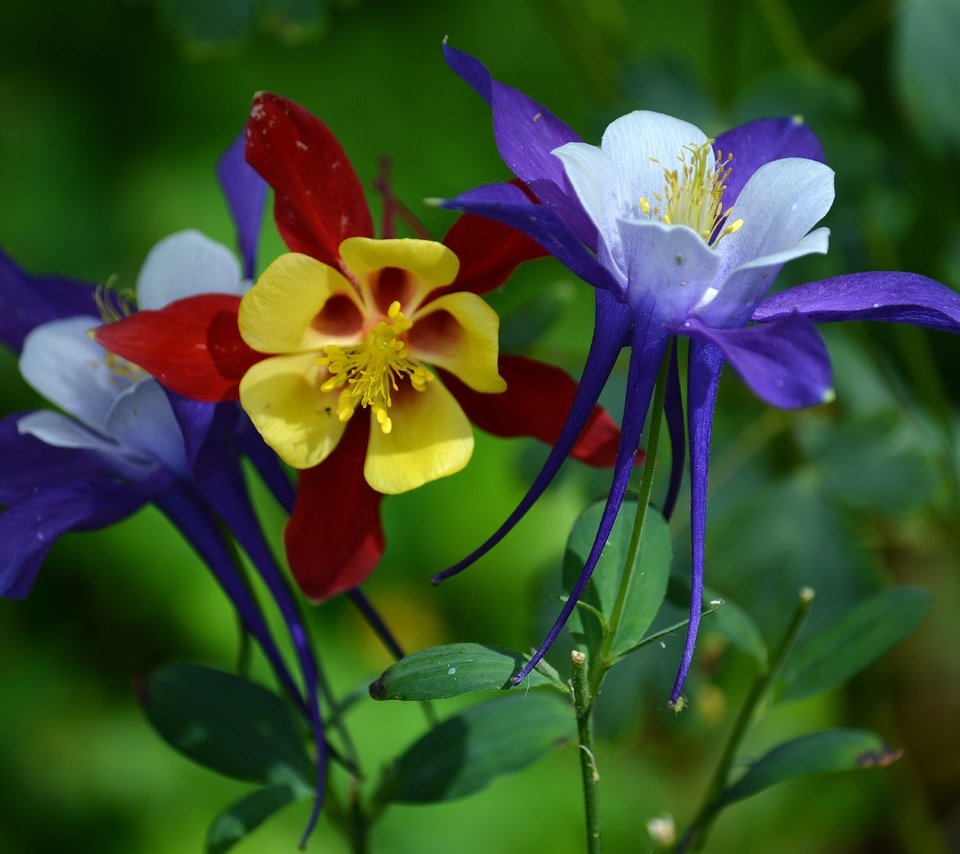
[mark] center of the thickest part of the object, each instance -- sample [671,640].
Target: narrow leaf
[448,671]
[227,724]
[467,752]
[851,643]
[821,753]
[240,819]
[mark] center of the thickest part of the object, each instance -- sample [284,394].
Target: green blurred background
[113,115]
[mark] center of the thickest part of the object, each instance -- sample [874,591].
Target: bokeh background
[112,116]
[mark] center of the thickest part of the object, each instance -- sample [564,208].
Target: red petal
[334,538]
[489,252]
[192,346]
[319,200]
[536,403]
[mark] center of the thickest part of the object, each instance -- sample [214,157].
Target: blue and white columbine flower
[682,236]
[118,440]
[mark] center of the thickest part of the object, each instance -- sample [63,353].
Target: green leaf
[848,645]
[467,752]
[240,819]
[822,753]
[648,585]
[227,724]
[448,671]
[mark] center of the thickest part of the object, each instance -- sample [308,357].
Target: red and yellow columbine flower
[359,344]
[361,362]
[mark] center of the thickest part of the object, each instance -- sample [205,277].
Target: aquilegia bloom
[682,236]
[121,440]
[358,360]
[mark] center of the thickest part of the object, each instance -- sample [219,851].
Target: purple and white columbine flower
[119,440]
[682,235]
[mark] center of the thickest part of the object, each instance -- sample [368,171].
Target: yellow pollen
[693,194]
[370,371]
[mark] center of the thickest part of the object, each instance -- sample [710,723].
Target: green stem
[633,550]
[696,834]
[583,703]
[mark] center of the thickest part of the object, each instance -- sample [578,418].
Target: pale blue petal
[740,293]
[183,265]
[782,201]
[584,166]
[142,419]
[670,263]
[638,147]
[65,365]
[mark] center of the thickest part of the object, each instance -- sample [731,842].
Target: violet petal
[673,409]
[245,192]
[784,362]
[887,296]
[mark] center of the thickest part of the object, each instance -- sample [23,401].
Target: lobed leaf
[238,820]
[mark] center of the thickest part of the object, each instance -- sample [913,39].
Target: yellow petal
[283,399]
[459,332]
[430,437]
[299,304]
[404,270]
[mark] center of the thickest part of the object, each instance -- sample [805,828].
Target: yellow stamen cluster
[114,305]
[369,371]
[693,195]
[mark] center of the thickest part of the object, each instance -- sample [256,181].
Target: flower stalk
[583,704]
[696,835]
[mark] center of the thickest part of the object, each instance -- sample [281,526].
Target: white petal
[638,147]
[670,262]
[142,420]
[55,428]
[584,166]
[780,203]
[733,304]
[183,265]
[64,364]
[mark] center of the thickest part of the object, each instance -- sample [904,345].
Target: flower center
[693,194]
[369,371]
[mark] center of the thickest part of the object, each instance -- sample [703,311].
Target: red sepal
[488,251]
[192,346]
[334,538]
[319,200]
[536,403]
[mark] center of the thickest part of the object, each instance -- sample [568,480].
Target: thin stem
[583,703]
[633,550]
[696,834]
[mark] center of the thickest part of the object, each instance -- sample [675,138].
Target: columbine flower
[121,440]
[359,360]
[683,236]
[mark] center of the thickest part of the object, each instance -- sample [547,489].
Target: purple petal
[27,301]
[673,409]
[758,142]
[29,527]
[525,131]
[609,335]
[267,464]
[508,204]
[227,492]
[245,191]
[649,345]
[30,464]
[784,362]
[703,373]
[891,297]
